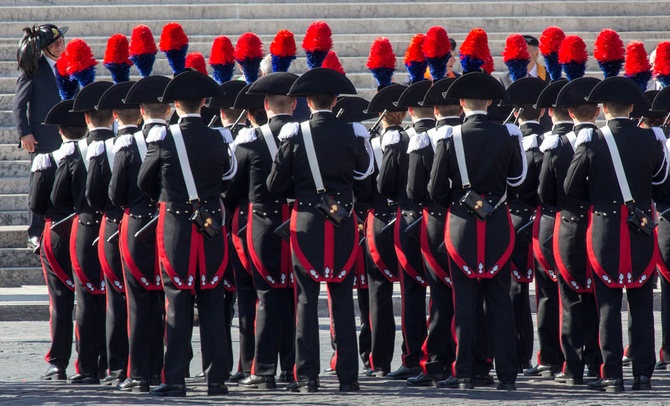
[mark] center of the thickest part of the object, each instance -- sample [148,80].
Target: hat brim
[476,86]
[321,81]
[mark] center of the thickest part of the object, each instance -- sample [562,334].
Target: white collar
[99,129]
[618,118]
[52,63]
[190,115]
[126,126]
[448,118]
[473,112]
[533,72]
[322,111]
[279,114]
[530,122]
[154,121]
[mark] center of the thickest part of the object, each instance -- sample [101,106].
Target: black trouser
[413,314]
[500,322]
[548,325]
[365,336]
[275,324]
[665,319]
[145,329]
[438,349]
[229,298]
[246,313]
[61,303]
[341,300]
[215,361]
[382,321]
[579,330]
[641,311]
[35,222]
[90,332]
[116,329]
[523,320]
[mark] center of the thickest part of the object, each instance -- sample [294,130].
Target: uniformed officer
[185,169]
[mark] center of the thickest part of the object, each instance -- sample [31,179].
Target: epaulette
[157,133]
[288,130]
[514,131]
[584,135]
[390,138]
[550,142]
[529,142]
[41,162]
[660,135]
[226,134]
[95,148]
[443,133]
[66,149]
[360,130]
[245,135]
[122,141]
[418,142]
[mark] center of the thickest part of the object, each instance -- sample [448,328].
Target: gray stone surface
[14,257]
[13,236]
[15,277]
[14,185]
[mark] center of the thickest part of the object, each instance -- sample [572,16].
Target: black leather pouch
[640,222]
[207,225]
[477,205]
[332,210]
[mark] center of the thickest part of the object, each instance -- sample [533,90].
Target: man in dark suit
[36,93]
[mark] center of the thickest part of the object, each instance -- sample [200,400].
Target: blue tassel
[315,58]
[281,63]
[574,70]
[611,68]
[120,72]
[223,73]
[85,77]
[67,87]
[383,76]
[177,59]
[438,66]
[416,70]
[470,64]
[642,79]
[250,69]
[553,67]
[518,68]
[144,63]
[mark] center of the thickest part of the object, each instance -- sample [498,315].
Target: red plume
[662,60]
[173,37]
[142,41]
[62,64]
[515,48]
[117,50]
[436,44]
[333,62]
[79,56]
[550,40]
[573,49]
[636,59]
[608,46]
[283,44]
[476,45]
[196,61]
[414,51]
[489,65]
[318,37]
[249,46]
[381,54]
[222,51]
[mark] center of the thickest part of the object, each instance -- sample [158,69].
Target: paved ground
[23,345]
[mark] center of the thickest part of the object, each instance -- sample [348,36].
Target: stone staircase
[355,24]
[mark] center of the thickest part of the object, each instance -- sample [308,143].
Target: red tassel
[173,37]
[142,41]
[195,60]
[476,45]
[636,59]
[608,46]
[414,51]
[573,49]
[79,56]
[381,54]
[283,44]
[222,51]
[318,37]
[117,50]
[489,65]
[550,40]
[333,62]
[515,48]
[436,44]
[249,46]
[662,59]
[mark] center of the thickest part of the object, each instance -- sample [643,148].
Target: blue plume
[553,67]
[250,68]
[144,63]
[470,64]
[518,68]
[120,72]
[641,79]
[281,63]
[574,70]
[611,68]
[177,59]
[416,70]
[383,76]
[315,58]
[67,86]
[85,77]
[223,72]
[438,66]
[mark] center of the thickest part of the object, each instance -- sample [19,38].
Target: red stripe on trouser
[333,359]
[424,347]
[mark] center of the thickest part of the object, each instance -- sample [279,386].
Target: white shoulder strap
[411,132]
[269,140]
[183,162]
[83,149]
[141,144]
[572,137]
[460,156]
[376,144]
[109,149]
[618,165]
[431,134]
[311,156]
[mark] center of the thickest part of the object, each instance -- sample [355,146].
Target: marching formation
[171,194]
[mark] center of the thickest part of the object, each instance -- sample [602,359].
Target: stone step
[364,25]
[14,168]
[13,202]
[10,151]
[14,185]
[16,277]
[18,257]
[314,11]
[13,236]
[8,133]
[151,3]
[14,217]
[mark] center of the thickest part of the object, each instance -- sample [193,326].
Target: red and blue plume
[317,42]
[637,65]
[67,86]
[331,61]
[662,63]
[516,56]
[489,66]
[222,59]
[80,61]
[282,50]
[174,43]
[116,58]
[437,51]
[143,49]
[381,61]
[609,52]
[196,61]
[415,61]
[474,51]
[572,56]
[550,43]
[249,53]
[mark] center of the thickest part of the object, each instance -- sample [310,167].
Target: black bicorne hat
[190,85]
[228,92]
[62,114]
[278,83]
[525,91]
[413,96]
[321,81]
[662,100]
[244,100]
[386,99]
[352,109]
[147,90]
[576,92]
[437,92]
[113,97]
[645,110]
[617,89]
[548,96]
[477,86]
[89,96]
